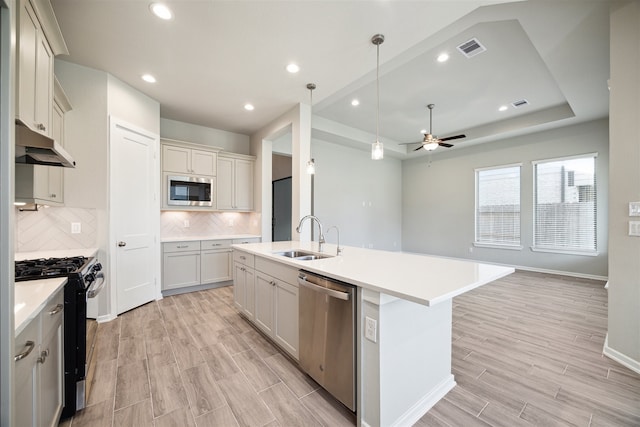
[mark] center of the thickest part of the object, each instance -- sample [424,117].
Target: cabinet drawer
[243,258]
[181,246]
[215,244]
[51,314]
[247,240]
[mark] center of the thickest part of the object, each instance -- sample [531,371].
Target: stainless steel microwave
[189,191]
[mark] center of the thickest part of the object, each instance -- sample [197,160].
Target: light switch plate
[634,228]
[370,329]
[634,208]
[76,228]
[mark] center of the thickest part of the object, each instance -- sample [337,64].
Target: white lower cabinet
[275,299]
[201,262]
[39,368]
[180,264]
[244,283]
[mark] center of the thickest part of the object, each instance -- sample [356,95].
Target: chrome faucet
[321,240]
[339,249]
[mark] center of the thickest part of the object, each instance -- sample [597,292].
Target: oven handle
[97,286]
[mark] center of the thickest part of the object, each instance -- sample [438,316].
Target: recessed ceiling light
[503,108]
[161,11]
[443,57]
[148,78]
[248,107]
[293,68]
[355,102]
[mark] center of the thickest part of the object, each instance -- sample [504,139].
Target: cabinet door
[239,277]
[44,86]
[264,288]
[180,269]
[50,368]
[225,183]
[286,317]
[250,295]
[28,28]
[25,400]
[243,185]
[203,162]
[176,159]
[216,266]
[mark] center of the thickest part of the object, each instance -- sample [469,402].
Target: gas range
[48,268]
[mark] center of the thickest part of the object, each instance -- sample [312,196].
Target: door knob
[121,244]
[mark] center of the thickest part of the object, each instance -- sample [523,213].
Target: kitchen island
[404,367]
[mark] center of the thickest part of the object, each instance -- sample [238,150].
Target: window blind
[565,204]
[498,206]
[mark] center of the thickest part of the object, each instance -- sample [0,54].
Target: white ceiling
[215,56]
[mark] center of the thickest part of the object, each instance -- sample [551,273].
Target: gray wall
[361,196]
[228,141]
[624,186]
[438,198]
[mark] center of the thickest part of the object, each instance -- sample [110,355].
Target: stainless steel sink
[302,255]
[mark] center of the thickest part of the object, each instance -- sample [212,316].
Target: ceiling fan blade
[419,148]
[449,138]
[444,144]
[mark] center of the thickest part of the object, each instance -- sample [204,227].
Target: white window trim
[568,252]
[475,210]
[498,246]
[533,204]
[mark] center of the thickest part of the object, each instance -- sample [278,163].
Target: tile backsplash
[195,224]
[50,229]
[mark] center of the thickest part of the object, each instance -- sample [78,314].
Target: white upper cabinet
[37,32]
[188,161]
[235,182]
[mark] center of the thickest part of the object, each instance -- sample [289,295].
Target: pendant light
[377,149]
[311,165]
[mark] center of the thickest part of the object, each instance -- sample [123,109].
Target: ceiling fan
[431,142]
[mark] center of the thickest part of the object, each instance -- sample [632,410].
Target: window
[565,205]
[498,206]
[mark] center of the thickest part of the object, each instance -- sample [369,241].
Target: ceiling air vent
[520,103]
[471,48]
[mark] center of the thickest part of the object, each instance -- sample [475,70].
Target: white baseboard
[427,402]
[105,318]
[622,359]
[562,273]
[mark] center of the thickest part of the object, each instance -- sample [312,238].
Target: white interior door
[134,214]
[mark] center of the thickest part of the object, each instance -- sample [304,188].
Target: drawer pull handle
[57,309]
[30,346]
[243,257]
[122,244]
[182,246]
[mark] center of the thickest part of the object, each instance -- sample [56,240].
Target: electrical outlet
[634,208]
[76,228]
[370,329]
[634,228]
[185,224]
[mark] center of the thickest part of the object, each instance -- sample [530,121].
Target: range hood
[37,149]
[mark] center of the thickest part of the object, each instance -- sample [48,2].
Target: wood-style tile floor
[527,350]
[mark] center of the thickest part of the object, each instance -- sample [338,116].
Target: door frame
[112,244]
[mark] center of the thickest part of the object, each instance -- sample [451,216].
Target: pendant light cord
[377,93]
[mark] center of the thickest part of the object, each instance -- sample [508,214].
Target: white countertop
[423,279]
[209,237]
[31,296]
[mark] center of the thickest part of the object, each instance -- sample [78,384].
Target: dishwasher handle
[302,280]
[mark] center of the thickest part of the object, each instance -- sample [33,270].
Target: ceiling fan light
[430,146]
[377,151]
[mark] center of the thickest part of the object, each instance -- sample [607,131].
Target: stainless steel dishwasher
[327,334]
